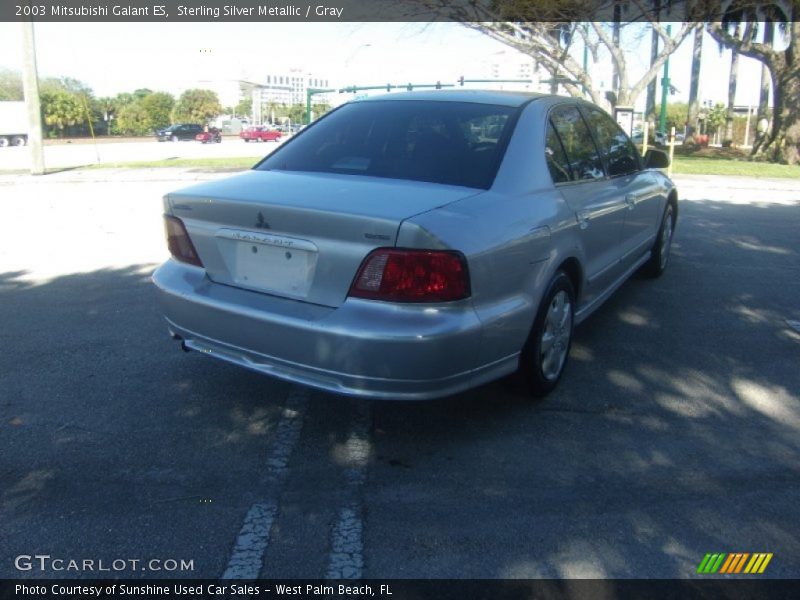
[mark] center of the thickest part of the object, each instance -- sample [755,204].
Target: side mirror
[656,159]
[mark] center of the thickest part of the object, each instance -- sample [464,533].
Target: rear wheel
[545,354]
[659,255]
[19,140]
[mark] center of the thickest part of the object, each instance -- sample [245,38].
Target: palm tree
[694,87]
[732,21]
[782,142]
[766,80]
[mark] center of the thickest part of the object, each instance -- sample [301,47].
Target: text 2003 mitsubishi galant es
[416,245]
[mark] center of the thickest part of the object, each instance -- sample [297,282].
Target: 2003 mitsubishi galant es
[415,245]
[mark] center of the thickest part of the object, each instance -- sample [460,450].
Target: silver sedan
[412,246]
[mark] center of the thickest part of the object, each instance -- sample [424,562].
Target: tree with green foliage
[132,119]
[782,142]
[319,109]
[244,108]
[716,118]
[297,113]
[196,106]
[62,109]
[144,114]
[158,106]
[123,99]
[10,85]
[106,109]
[66,102]
[677,116]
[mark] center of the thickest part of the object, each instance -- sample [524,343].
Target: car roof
[502,98]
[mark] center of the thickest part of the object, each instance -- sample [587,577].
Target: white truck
[13,124]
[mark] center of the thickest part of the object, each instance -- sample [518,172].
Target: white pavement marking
[346,560]
[251,544]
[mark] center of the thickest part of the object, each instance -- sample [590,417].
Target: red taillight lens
[178,242]
[399,275]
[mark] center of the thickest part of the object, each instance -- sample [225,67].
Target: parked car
[260,134]
[415,245]
[212,136]
[181,131]
[662,139]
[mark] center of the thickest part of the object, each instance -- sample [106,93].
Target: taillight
[400,275]
[178,242]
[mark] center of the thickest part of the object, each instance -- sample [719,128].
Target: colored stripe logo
[734,562]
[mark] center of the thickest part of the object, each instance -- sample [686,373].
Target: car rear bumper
[362,348]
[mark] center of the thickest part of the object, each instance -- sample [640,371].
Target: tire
[246,140]
[174,138]
[545,354]
[19,140]
[659,254]
[4,142]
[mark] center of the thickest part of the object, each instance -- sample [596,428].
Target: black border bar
[416,589]
[167,11]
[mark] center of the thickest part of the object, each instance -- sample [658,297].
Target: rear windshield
[455,143]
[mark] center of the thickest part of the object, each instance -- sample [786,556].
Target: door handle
[630,200]
[583,219]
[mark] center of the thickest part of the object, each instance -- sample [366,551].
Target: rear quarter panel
[514,237]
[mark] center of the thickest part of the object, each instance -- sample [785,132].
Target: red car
[260,134]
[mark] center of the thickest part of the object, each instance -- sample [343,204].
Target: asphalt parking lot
[676,430]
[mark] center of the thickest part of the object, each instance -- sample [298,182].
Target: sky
[121,57]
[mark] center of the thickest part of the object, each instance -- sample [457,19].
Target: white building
[290,87]
[509,64]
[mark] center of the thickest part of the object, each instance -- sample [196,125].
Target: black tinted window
[582,155]
[616,147]
[556,158]
[455,143]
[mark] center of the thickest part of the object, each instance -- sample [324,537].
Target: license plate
[268,262]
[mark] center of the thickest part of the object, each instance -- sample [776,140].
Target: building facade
[290,87]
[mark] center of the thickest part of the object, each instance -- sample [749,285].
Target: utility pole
[662,119]
[30,86]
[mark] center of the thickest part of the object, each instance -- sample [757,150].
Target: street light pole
[30,84]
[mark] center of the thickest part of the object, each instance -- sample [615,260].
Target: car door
[638,187]
[579,174]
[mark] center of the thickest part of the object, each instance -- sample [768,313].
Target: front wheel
[659,255]
[174,138]
[545,354]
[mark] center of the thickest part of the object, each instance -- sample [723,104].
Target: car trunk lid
[299,235]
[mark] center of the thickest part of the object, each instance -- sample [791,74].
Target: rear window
[454,143]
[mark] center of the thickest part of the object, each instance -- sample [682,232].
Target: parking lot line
[253,539]
[346,560]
